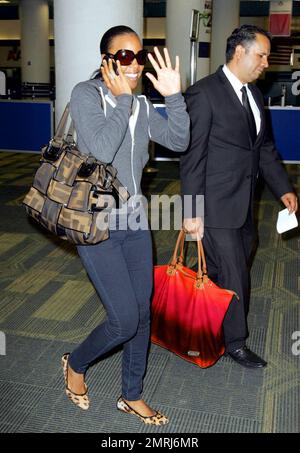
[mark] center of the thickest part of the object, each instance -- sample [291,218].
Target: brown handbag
[72,192]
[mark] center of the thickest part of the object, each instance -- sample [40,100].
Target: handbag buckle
[52,152]
[107,180]
[86,169]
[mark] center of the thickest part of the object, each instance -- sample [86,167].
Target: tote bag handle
[175,260]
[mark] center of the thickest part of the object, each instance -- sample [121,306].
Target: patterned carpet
[48,305]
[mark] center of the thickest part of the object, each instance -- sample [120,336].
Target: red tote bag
[188,309]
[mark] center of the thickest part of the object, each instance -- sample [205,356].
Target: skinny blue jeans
[121,271]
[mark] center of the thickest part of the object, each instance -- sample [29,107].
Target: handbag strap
[60,130]
[59,139]
[71,132]
[202,269]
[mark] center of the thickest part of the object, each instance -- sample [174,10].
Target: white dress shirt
[237,85]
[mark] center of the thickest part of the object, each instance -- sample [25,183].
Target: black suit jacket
[221,163]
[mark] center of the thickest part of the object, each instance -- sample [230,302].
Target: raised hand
[117,84]
[168,79]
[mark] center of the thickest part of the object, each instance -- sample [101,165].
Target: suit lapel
[234,98]
[261,111]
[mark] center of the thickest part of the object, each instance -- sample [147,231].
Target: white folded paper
[286,221]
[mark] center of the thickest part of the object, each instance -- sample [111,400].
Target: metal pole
[194,34]
[193,62]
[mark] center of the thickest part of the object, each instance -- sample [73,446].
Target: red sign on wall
[280,24]
[280,17]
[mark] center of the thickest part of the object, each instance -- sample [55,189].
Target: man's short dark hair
[245,36]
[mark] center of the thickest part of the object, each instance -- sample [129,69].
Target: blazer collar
[227,85]
[229,88]
[232,94]
[261,108]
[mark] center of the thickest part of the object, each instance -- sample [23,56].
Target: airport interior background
[279,83]
[48,305]
[257,12]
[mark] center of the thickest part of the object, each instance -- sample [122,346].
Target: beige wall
[154,28]
[258,21]
[11,29]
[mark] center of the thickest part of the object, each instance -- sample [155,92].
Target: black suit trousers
[228,253]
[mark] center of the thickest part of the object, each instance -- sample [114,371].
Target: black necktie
[250,116]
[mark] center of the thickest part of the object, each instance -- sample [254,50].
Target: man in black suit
[229,147]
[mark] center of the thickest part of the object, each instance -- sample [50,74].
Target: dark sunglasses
[126,56]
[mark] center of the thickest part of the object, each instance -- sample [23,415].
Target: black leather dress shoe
[247,358]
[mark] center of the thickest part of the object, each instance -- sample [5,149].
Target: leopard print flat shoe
[155,419]
[80,400]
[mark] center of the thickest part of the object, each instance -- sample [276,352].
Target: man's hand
[194,227]
[290,201]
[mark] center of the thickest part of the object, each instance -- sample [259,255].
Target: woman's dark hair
[110,34]
[107,39]
[245,36]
